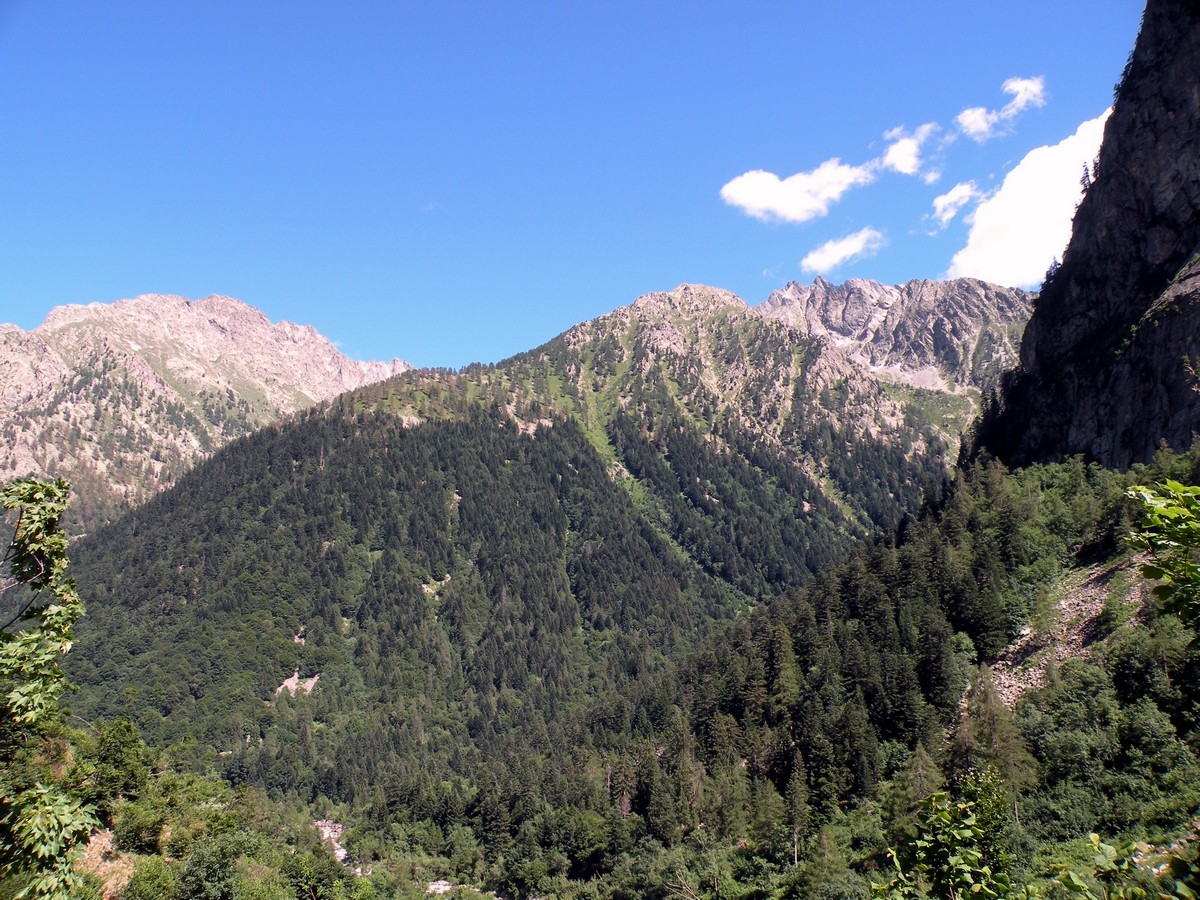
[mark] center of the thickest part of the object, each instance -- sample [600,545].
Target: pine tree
[799,814]
[987,737]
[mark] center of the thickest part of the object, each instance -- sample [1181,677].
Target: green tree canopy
[40,824]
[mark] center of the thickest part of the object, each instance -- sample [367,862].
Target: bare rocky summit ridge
[121,398]
[220,339]
[686,299]
[942,335]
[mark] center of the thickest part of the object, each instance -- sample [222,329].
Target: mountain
[529,535]
[121,399]
[698,365]
[944,335]
[1108,361]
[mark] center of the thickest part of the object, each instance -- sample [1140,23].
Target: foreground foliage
[41,825]
[504,728]
[1170,533]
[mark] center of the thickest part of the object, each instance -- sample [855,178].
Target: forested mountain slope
[538,745]
[608,497]
[480,574]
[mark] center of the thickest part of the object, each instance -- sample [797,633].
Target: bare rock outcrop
[1108,361]
[935,334]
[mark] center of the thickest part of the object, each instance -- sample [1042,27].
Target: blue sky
[448,182]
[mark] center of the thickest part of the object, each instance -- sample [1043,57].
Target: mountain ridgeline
[934,334]
[685,602]
[122,399]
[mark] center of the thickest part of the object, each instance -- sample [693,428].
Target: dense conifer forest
[540,713]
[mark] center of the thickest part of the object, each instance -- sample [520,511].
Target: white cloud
[833,253]
[1026,223]
[903,154]
[977,122]
[798,198]
[949,204]
[1026,92]
[809,195]
[980,123]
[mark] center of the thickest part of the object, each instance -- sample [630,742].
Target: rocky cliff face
[121,398]
[1108,362]
[942,335]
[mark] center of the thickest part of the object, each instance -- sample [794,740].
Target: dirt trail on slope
[1023,666]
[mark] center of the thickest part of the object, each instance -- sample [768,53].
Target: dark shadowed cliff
[1108,358]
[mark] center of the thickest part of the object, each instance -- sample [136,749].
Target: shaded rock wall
[1105,361]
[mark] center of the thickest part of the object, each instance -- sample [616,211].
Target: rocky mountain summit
[943,335]
[122,398]
[724,359]
[937,337]
[1109,360]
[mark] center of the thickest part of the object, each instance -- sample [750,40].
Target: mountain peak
[932,333]
[689,298]
[155,371]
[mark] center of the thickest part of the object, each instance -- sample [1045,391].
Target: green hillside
[536,740]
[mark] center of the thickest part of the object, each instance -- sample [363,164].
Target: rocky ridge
[725,354]
[122,398]
[952,337]
[720,361]
[941,335]
[1108,361]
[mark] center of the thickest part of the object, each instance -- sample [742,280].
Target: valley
[863,591]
